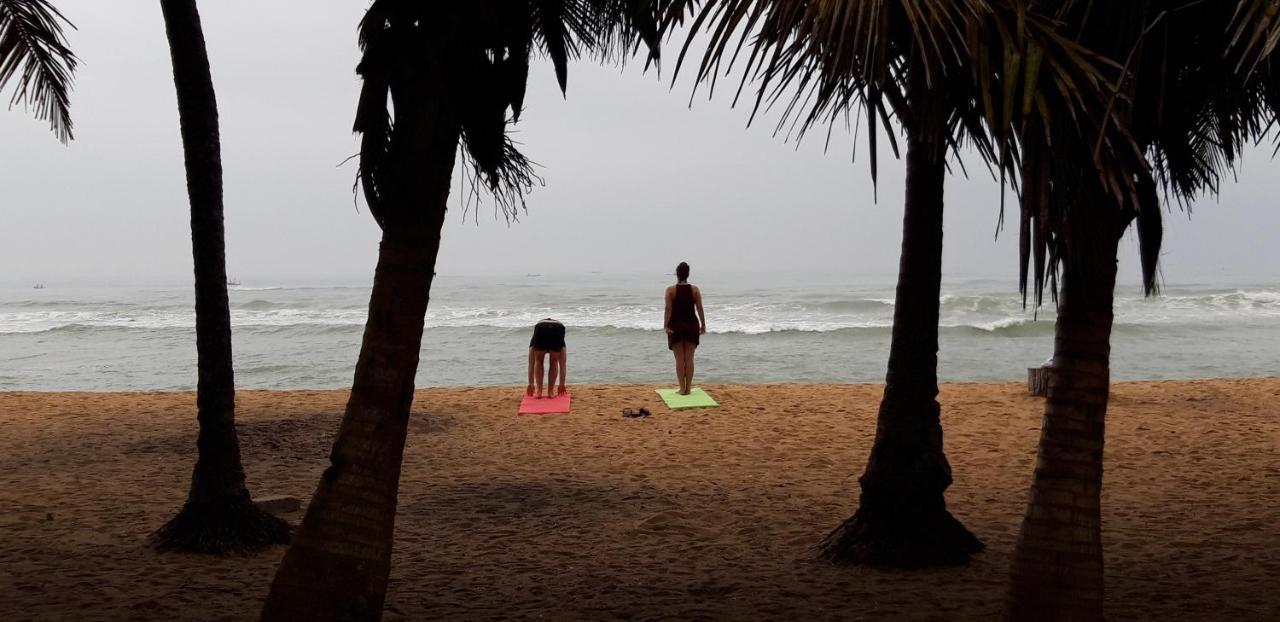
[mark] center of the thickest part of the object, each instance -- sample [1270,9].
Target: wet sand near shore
[700,514]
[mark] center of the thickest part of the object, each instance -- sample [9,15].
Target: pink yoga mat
[546,405]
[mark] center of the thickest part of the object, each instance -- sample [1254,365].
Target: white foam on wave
[1239,305]
[990,313]
[42,321]
[1001,324]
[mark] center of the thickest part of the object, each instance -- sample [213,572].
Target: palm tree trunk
[1057,565]
[902,519]
[219,515]
[340,561]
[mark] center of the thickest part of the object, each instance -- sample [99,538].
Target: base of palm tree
[932,539]
[233,525]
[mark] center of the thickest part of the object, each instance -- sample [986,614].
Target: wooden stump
[1038,381]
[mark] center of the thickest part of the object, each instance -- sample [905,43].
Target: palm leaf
[477,55]
[34,50]
[1011,75]
[555,35]
[1255,32]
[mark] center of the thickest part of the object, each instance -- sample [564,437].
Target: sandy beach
[707,514]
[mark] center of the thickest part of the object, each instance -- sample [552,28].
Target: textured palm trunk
[340,561]
[1057,566]
[902,519]
[219,515]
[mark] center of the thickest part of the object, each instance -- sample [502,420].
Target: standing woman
[683,325]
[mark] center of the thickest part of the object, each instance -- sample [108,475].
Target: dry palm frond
[33,49]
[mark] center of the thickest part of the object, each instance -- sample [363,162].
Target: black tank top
[682,306]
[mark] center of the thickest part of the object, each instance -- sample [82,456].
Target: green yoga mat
[697,398]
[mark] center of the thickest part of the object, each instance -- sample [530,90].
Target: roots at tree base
[224,526]
[933,538]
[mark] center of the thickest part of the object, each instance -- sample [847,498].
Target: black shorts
[683,332]
[547,336]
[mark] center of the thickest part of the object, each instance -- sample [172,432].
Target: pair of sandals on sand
[632,413]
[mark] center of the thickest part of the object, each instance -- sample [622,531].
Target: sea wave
[46,321]
[258,304]
[1008,327]
[978,313]
[849,306]
[1235,300]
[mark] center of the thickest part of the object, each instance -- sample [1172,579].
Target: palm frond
[508,183]
[373,120]
[476,55]
[1199,85]
[995,62]
[1150,229]
[1195,112]
[553,28]
[1020,82]
[1255,32]
[33,49]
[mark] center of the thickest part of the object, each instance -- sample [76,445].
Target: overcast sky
[636,180]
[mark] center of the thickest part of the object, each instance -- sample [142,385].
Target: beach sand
[707,514]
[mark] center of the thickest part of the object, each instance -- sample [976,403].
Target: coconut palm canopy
[1014,71]
[1007,70]
[1200,107]
[33,50]
[1200,85]
[484,48]
[997,64]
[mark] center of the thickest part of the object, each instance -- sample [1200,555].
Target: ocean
[293,335]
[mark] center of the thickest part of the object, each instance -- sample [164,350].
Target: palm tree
[33,49]
[218,515]
[955,72]
[452,71]
[1195,97]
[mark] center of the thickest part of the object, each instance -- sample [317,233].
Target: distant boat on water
[38,286]
[233,282]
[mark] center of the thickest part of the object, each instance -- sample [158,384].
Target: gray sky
[635,180]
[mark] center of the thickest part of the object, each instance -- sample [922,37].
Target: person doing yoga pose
[684,322]
[547,343]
